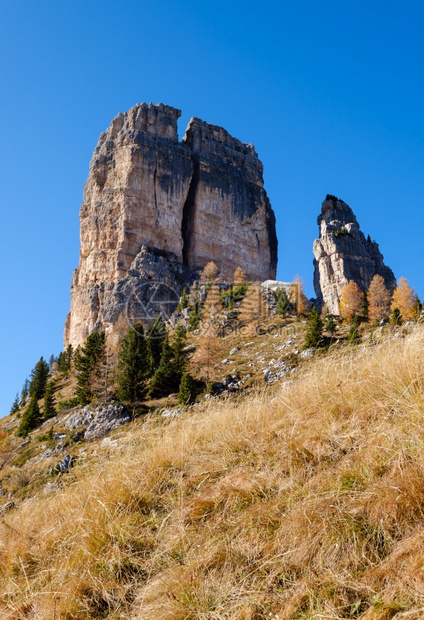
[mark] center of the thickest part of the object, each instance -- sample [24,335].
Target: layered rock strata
[342,253]
[157,210]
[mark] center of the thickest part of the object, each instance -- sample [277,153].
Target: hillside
[299,500]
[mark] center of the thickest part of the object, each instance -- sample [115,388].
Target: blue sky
[330,93]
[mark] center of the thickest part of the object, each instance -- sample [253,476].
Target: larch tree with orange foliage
[351,301]
[239,276]
[209,343]
[298,297]
[378,299]
[405,300]
[209,273]
[252,309]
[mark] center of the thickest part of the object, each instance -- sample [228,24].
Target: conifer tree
[253,308]
[183,303]
[210,273]
[313,336]
[283,303]
[39,376]
[133,365]
[195,316]
[163,380]
[49,401]
[351,301]
[239,276]
[69,353]
[405,300]
[187,390]
[25,391]
[378,299]
[396,317]
[353,336]
[15,405]
[87,364]
[30,419]
[298,297]
[155,337]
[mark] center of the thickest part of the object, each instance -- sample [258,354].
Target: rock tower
[342,253]
[157,210]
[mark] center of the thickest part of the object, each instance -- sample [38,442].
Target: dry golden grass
[304,504]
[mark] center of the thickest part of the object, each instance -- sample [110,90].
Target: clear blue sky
[331,94]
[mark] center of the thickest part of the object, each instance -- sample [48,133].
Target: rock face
[157,210]
[342,253]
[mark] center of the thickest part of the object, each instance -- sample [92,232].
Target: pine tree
[351,301]
[396,317]
[330,324]
[52,361]
[87,364]
[155,337]
[378,299]
[179,352]
[195,317]
[69,353]
[313,336]
[405,300]
[163,380]
[15,406]
[30,419]
[25,391]
[39,376]
[283,303]
[49,401]
[187,391]
[133,365]
[353,336]
[183,303]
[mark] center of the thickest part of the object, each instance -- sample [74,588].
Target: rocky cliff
[342,253]
[157,210]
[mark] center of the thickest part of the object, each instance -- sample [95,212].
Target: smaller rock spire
[342,253]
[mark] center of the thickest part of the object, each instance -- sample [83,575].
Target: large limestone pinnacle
[156,211]
[342,253]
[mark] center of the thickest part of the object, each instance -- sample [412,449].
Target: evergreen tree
[172,365]
[155,337]
[183,303]
[49,401]
[283,303]
[396,318]
[163,380]
[195,316]
[353,336]
[187,391]
[179,352]
[133,365]
[30,419]
[330,324]
[52,360]
[61,362]
[25,390]
[15,406]
[69,356]
[87,364]
[39,376]
[313,336]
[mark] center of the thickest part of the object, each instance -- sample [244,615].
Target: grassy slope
[305,503]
